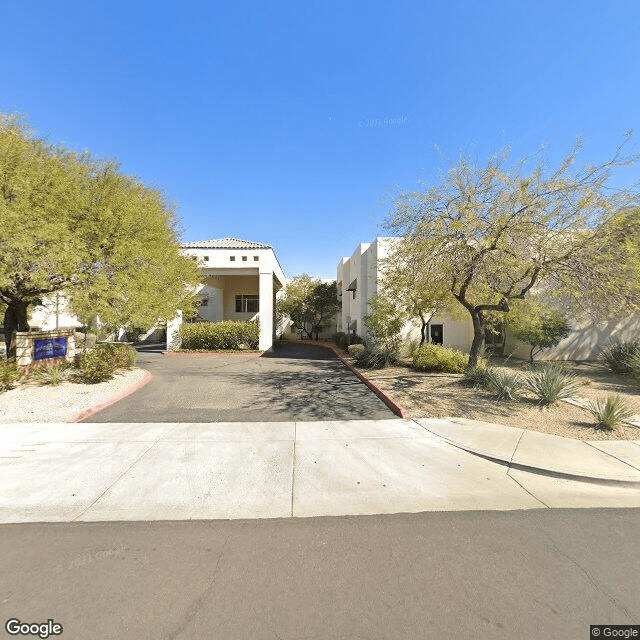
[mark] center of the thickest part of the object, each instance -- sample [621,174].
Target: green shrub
[434,357]
[620,357]
[477,376]
[549,383]
[354,349]
[121,356]
[635,368]
[96,366]
[340,338]
[212,336]
[610,413]
[53,373]
[506,386]
[372,357]
[9,374]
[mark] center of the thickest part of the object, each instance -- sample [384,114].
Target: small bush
[506,386]
[549,383]
[610,413]
[213,336]
[340,338]
[477,376]
[354,349]
[620,357]
[95,366]
[53,373]
[434,357]
[9,374]
[372,357]
[635,368]
[121,356]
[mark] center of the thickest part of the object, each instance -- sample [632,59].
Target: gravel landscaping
[34,402]
[436,395]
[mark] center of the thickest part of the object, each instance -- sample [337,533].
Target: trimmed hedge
[434,357]
[212,336]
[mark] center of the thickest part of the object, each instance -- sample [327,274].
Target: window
[255,258]
[244,258]
[247,304]
[232,258]
[206,258]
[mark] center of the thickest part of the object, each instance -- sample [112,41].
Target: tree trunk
[423,330]
[15,319]
[477,346]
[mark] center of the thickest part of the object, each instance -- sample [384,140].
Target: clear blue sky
[291,122]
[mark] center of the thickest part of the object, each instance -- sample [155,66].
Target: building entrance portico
[240,280]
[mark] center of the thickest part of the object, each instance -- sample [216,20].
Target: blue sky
[292,123]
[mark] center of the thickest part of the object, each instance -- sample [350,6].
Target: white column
[173,338]
[266,311]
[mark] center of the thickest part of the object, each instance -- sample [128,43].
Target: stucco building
[240,280]
[358,281]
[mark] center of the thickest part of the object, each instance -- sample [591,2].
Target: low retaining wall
[43,346]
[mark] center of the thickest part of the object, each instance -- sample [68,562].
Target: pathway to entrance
[294,382]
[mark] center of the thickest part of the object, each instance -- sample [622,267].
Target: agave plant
[54,374]
[549,383]
[609,413]
[506,386]
[619,356]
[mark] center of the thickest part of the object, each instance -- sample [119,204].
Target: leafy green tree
[76,225]
[309,303]
[537,324]
[414,279]
[385,322]
[499,230]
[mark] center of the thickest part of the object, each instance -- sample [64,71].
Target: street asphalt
[540,574]
[294,382]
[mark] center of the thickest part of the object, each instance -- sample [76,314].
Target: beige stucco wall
[365,264]
[238,285]
[585,340]
[44,316]
[212,289]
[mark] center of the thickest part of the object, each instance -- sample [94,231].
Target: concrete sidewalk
[164,471]
[604,461]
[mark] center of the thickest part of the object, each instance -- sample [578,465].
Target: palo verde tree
[79,226]
[309,303]
[499,230]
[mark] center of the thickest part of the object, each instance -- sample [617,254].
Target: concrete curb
[539,467]
[123,394]
[398,409]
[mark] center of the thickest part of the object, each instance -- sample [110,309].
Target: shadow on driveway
[295,382]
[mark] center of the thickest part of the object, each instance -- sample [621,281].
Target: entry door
[436,332]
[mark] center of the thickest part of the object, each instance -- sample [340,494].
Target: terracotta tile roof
[225,243]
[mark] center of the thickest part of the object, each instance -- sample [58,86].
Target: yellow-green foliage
[354,349]
[213,336]
[78,225]
[434,357]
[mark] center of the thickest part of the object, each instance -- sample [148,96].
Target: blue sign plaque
[50,348]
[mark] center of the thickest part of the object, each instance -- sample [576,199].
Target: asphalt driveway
[296,382]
